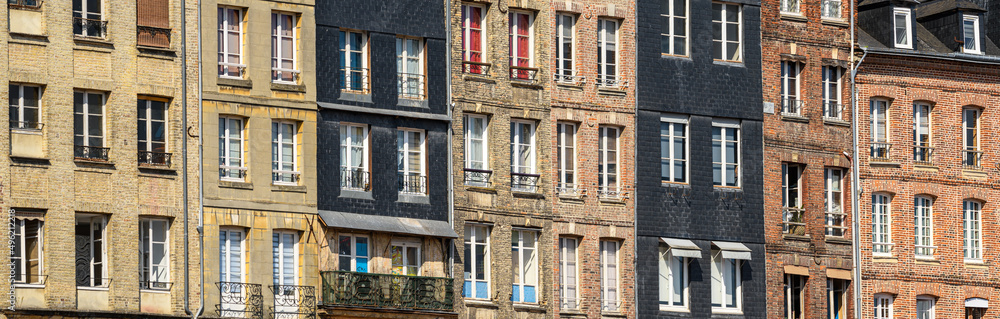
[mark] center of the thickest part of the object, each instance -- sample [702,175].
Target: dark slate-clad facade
[695,93]
[382,144]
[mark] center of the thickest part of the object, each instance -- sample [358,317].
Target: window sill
[478,78]
[155,291]
[414,198]
[794,118]
[794,16]
[794,237]
[92,288]
[153,167]
[674,56]
[355,194]
[835,22]
[884,259]
[30,286]
[925,167]
[726,311]
[480,303]
[613,314]
[288,188]
[974,174]
[674,309]
[976,264]
[883,164]
[929,260]
[412,103]
[611,201]
[355,96]
[523,194]
[838,240]
[84,161]
[235,184]
[529,307]
[571,313]
[94,43]
[240,83]
[28,38]
[732,63]
[527,84]
[288,87]
[156,52]
[608,91]
[836,122]
[572,199]
[569,86]
[480,189]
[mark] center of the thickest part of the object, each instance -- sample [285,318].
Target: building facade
[699,225]
[926,90]
[94,161]
[806,50]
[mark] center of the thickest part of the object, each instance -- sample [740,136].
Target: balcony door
[285,279]
[233,294]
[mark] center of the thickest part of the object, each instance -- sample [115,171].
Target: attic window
[970,31]
[901,28]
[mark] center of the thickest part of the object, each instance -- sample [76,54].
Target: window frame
[882,205]
[834,176]
[470,242]
[791,75]
[923,230]
[795,288]
[977,49]
[353,255]
[20,253]
[736,266]
[347,71]
[931,311]
[280,257]
[566,154]
[603,43]
[405,245]
[148,123]
[833,77]
[725,125]
[977,116]
[669,280]
[513,45]
[91,220]
[671,120]
[403,58]
[85,13]
[670,18]
[404,133]
[146,229]
[883,306]
[724,43]
[516,131]
[606,287]
[907,14]
[225,147]
[85,113]
[522,271]
[563,74]
[467,29]
[836,294]
[922,131]
[603,174]
[884,127]
[347,147]
[277,75]
[225,49]
[19,106]
[470,119]
[972,246]
[276,174]
[567,244]
[787,188]
[826,12]
[225,273]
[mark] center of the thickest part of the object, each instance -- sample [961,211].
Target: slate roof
[939,6]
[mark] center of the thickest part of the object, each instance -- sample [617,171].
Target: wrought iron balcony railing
[477,177]
[153,36]
[154,158]
[568,77]
[91,153]
[285,177]
[611,81]
[792,221]
[93,28]
[155,285]
[922,154]
[293,302]
[833,110]
[523,73]
[835,223]
[411,86]
[611,192]
[355,179]
[523,182]
[240,300]
[570,190]
[473,67]
[354,289]
[791,106]
[26,126]
[412,184]
[354,80]
[880,151]
[972,159]
[232,172]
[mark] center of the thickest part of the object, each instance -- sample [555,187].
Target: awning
[733,250]
[797,270]
[838,274]
[400,225]
[977,303]
[682,247]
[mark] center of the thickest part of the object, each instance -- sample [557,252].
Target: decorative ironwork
[354,80]
[154,158]
[227,172]
[26,125]
[791,106]
[412,184]
[524,182]
[835,224]
[280,75]
[285,177]
[477,177]
[153,36]
[155,285]
[922,154]
[972,159]
[611,81]
[293,302]
[341,288]
[240,300]
[568,76]
[570,190]
[226,69]
[832,110]
[880,151]
[523,73]
[611,192]
[476,67]
[792,222]
[355,179]
[25,4]
[411,86]
[93,28]
[91,153]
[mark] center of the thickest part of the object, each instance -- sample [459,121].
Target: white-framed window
[91,251]
[231,255]
[834,199]
[477,262]
[88,18]
[923,227]
[791,101]
[795,296]
[610,299]
[524,265]
[925,307]
[972,156]
[405,255]
[284,67]
[607,54]
[975,308]
[284,160]
[522,155]
[901,28]
[790,7]
[410,68]
[970,32]
[566,157]
[152,131]
[673,149]
[26,255]
[473,36]
[354,253]
[673,281]
[476,145]
[231,149]
[285,269]
[568,273]
[674,27]
[411,159]
[354,61]
[836,297]
[832,106]
[607,161]
[231,42]
[791,199]
[922,132]
[24,106]
[830,9]
[522,40]
[972,231]
[354,157]
[88,116]
[881,224]
[883,306]
[726,153]
[727,39]
[565,45]
[879,129]
[727,291]
[154,247]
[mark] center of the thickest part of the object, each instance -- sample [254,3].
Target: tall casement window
[26,255]
[727,291]
[231,149]
[88,118]
[477,262]
[836,297]
[834,199]
[24,105]
[353,253]
[673,281]
[524,265]
[883,306]
[473,37]
[354,61]
[971,154]
[354,173]
[790,7]
[832,106]
[565,68]
[522,156]
[155,253]
[791,101]
[925,307]
[725,153]
[830,9]
[794,296]
[152,139]
[727,35]
[411,158]
[923,227]
[521,42]
[284,160]
[410,68]
[674,27]
[566,158]
[791,198]
[673,149]
[232,269]
[970,32]
[283,48]
[607,53]
[881,224]
[405,254]
[231,43]
[922,149]
[901,28]
[285,265]
[88,19]
[568,295]
[610,300]
[477,164]
[607,161]
[91,251]
[879,130]
[972,231]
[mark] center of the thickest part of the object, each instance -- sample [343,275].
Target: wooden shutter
[153,22]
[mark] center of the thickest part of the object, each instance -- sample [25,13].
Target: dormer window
[901,28]
[970,31]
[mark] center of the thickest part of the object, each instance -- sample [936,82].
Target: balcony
[91,153]
[232,173]
[523,182]
[285,177]
[411,86]
[972,159]
[413,184]
[570,190]
[521,73]
[91,28]
[285,76]
[922,154]
[477,177]
[793,222]
[791,106]
[835,223]
[153,36]
[147,158]
[240,300]
[354,80]
[293,302]
[833,111]
[568,77]
[611,82]
[356,179]
[880,152]
[610,193]
[480,68]
[353,289]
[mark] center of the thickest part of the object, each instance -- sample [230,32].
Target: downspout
[450,106]
[635,163]
[855,174]
[184,157]
[201,177]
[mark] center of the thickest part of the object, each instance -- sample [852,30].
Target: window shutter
[153,22]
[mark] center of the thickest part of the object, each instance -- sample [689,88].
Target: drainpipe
[184,156]
[201,178]
[855,174]
[451,177]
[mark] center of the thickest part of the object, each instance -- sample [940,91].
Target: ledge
[797,17]
[925,167]
[289,188]
[235,185]
[301,88]
[735,64]
[159,170]
[480,304]
[527,194]
[234,82]
[532,85]
[794,118]
[414,199]
[480,189]
[31,161]
[93,44]
[347,193]
[611,201]
[355,97]
[838,240]
[835,22]
[529,308]
[927,261]
[30,39]
[613,314]
[883,164]
[974,174]
[569,86]
[412,103]
[885,259]
[794,237]
[92,163]
[570,199]
[976,265]
[611,92]
[836,122]
[156,52]
[478,78]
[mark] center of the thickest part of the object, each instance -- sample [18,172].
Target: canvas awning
[732,250]
[977,303]
[399,225]
[682,247]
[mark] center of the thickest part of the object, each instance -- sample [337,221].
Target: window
[477,171]
[91,251]
[726,284]
[881,225]
[607,161]
[24,107]
[521,45]
[524,265]
[674,27]
[836,295]
[972,156]
[791,198]
[152,139]
[790,6]
[923,231]
[830,9]
[353,61]
[673,149]
[88,116]
[522,156]
[725,153]
[410,157]
[410,66]
[922,133]
[283,48]
[155,252]
[879,130]
[285,265]
[473,37]
[607,53]
[405,257]
[353,253]
[88,19]
[566,158]
[970,31]
[477,262]
[231,43]
[972,231]
[152,23]
[975,308]
[231,261]
[26,254]
[794,296]
[883,306]
[673,281]
[354,157]
[727,34]
[791,103]
[902,30]
[568,296]
[283,153]
[832,107]
[609,275]
[834,198]
[231,149]
[925,307]
[565,69]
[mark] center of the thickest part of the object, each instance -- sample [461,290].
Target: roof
[867,2]
[399,225]
[938,6]
[926,43]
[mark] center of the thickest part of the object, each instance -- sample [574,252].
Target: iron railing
[27,4]
[610,192]
[285,177]
[792,221]
[91,153]
[882,248]
[90,27]
[570,190]
[568,76]
[155,285]
[232,172]
[411,86]
[154,158]
[523,73]
[240,300]
[412,184]
[791,106]
[972,159]
[611,81]
[355,179]
[354,80]
[477,177]
[355,289]
[880,151]
[293,302]
[833,110]
[924,251]
[153,36]
[922,154]
[524,182]
[473,67]
[287,76]
[226,69]
[835,223]
[26,125]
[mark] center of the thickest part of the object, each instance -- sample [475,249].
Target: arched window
[883,306]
